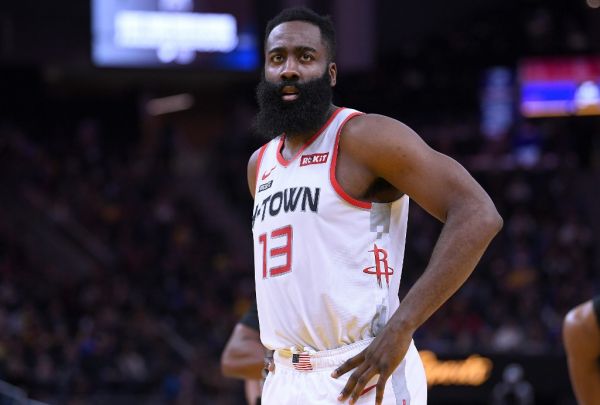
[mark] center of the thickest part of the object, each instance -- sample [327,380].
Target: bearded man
[331,194]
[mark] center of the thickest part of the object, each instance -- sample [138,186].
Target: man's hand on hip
[381,357]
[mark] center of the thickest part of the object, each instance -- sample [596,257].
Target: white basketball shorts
[305,379]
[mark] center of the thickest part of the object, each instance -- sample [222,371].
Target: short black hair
[324,24]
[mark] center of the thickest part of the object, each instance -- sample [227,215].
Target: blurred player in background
[581,335]
[331,193]
[244,356]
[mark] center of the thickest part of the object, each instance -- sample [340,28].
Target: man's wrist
[403,323]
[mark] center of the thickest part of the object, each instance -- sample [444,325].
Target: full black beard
[304,115]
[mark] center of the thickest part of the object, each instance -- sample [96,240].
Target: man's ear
[332,69]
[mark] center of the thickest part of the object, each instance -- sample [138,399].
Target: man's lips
[289,93]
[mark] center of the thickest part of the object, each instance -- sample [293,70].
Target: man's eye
[307,57]
[277,58]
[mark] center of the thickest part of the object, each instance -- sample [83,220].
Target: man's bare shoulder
[252,163]
[367,137]
[254,158]
[581,330]
[374,126]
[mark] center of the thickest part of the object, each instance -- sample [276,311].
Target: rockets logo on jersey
[288,200]
[381,267]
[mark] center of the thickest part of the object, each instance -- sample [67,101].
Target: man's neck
[293,142]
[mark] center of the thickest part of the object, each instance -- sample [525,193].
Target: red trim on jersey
[285,162]
[261,152]
[334,182]
[368,389]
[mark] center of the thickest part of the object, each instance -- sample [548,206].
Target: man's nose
[290,70]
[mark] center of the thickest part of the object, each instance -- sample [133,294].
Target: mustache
[278,87]
[289,82]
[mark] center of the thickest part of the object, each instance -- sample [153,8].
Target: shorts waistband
[310,361]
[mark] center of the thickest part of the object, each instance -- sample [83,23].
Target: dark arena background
[125,242]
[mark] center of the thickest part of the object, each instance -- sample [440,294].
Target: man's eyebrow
[305,49]
[298,49]
[277,49]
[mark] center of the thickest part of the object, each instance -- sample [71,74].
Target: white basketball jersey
[327,266]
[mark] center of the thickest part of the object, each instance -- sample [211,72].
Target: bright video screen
[211,35]
[552,87]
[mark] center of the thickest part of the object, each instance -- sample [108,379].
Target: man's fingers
[352,381]
[380,388]
[348,365]
[361,383]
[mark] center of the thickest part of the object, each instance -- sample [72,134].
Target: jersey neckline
[283,161]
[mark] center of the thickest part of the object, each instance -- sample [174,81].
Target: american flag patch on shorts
[301,361]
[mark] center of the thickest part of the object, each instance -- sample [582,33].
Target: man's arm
[244,355]
[252,168]
[253,391]
[581,336]
[388,149]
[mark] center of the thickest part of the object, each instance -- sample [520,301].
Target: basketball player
[244,355]
[331,193]
[581,335]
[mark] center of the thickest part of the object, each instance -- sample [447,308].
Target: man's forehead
[295,34]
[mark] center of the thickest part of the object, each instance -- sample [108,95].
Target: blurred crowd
[154,317]
[151,321]
[163,284]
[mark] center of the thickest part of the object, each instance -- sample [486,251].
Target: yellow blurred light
[474,370]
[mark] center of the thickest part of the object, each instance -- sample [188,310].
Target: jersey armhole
[336,186]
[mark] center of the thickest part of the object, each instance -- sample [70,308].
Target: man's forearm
[463,240]
[246,362]
[244,355]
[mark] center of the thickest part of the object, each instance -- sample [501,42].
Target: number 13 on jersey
[283,250]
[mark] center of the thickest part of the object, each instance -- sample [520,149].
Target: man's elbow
[570,325]
[579,325]
[491,220]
